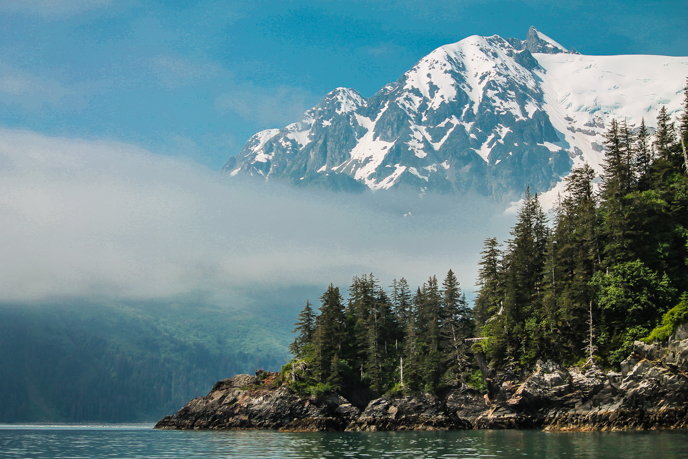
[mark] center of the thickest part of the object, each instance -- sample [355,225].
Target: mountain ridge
[483,115]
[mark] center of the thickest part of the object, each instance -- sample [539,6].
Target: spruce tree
[456,326]
[614,206]
[490,295]
[683,131]
[628,139]
[524,260]
[643,157]
[665,136]
[684,115]
[304,328]
[428,328]
[573,256]
[330,332]
[617,163]
[361,303]
[380,334]
[411,356]
[401,302]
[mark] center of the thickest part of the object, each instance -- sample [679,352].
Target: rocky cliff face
[651,392]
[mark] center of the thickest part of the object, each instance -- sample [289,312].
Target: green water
[142,442]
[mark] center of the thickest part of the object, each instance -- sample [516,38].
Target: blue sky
[197,78]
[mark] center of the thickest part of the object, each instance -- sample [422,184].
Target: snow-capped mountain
[484,115]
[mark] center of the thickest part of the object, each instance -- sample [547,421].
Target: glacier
[485,115]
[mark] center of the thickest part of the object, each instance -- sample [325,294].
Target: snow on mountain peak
[468,65]
[485,114]
[347,100]
[433,78]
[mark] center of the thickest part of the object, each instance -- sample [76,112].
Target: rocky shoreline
[650,392]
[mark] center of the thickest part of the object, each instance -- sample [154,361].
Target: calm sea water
[140,441]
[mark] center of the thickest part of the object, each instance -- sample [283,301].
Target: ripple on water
[133,442]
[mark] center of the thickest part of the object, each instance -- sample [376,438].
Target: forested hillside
[124,362]
[578,286]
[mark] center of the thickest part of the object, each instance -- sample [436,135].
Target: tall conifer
[665,136]
[304,328]
[456,326]
[643,157]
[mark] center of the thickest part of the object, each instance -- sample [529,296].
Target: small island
[651,392]
[579,324]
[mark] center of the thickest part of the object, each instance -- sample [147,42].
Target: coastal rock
[418,412]
[247,402]
[546,386]
[650,392]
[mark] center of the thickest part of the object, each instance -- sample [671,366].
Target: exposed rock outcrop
[419,412]
[247,402]
[651,392]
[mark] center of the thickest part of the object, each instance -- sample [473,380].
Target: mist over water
[131,281]
[93,220]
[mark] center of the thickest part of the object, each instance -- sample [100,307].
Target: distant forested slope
[123,363]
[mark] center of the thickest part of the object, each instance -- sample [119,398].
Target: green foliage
[305,329]
[476,381]
[604,273]
[580,289]
[395,391]
[378,340]
[673,318]
[319,389]
[632,294]
[631,298]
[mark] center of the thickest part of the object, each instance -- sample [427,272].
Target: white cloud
[103,219]
[276,106]
[175,71]
[383,49]
[52,8]
[18,87]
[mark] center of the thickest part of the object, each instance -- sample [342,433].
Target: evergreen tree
[330,333]
[617,161]
[573,256]
[614,206]
[643,157]
[304,328]
[411,356]
[683,132]
[456,326]
[684,115]
[628,154]
[525,259]
[428,329]
[401,303]
[665,136]
[491,295]
[381,332]
[361,303]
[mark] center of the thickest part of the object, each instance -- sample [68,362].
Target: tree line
[578,285]
[614,258]
[383,341]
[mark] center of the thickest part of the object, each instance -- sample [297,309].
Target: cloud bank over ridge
[90,219]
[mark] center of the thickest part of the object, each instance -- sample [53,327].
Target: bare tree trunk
[401,366]
[590,348]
